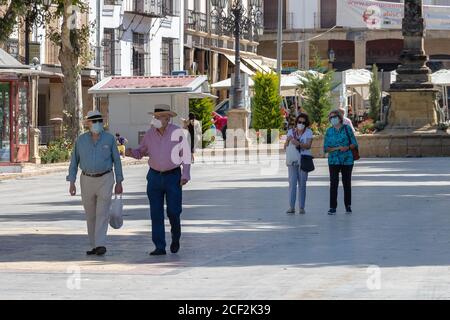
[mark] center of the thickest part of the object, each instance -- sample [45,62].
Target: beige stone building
[211,52]
[313,25]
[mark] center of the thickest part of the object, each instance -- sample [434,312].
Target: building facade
[138,37]
[208,48]
[313,27]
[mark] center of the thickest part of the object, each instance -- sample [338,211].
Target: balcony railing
[153,8]
[196,21]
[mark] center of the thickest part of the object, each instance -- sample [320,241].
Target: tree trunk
[72,93]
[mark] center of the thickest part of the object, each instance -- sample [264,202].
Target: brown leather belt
[96,175]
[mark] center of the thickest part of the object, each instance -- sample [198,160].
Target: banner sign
[386,15]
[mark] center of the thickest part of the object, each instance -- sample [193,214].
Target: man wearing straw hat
[168,150]
[95,152]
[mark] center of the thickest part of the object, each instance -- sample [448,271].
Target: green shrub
[366,127]
[57,151]
[266,103]
[316,89]
[203,108]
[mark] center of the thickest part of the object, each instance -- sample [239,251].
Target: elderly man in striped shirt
[169,160]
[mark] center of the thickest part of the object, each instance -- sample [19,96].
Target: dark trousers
[346,171]
[160,187]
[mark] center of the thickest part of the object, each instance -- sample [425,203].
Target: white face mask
[300,126]
[156,123]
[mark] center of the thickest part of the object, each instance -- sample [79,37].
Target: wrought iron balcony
[152,8]
[196,21]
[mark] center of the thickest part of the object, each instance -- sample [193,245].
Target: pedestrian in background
[95,152]
[345,120]
[300,137]
[221,123]
[339,142]
[194,128]
[168,150]
[121,144]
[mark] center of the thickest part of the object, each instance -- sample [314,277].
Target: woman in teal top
[338,143]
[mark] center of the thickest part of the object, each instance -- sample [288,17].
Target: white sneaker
[291,211]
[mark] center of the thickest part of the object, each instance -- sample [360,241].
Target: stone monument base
[237,129]
[396,144]
[413,110]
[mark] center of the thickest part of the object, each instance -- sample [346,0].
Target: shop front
[14,121]
[15,110]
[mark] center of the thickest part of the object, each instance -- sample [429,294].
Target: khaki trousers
[96,196]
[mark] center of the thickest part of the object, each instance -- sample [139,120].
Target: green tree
[203,108]
[374,95]
[266,103]
[71,38]
[316,89]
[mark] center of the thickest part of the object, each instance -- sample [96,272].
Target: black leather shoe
[91,252]
[100,251]
[158,252]
[332,212]
[175,246]
[348,209]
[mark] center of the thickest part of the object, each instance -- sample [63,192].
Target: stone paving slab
[237,241]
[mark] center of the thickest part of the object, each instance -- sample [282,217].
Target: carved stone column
[413,99]
[413,72]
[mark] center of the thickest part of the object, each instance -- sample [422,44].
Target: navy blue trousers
[162,187]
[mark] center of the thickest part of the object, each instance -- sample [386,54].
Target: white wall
[128,114]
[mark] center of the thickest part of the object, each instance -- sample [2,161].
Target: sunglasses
[97,121]
[302,122]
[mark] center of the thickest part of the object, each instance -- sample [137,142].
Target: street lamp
[238,21]
[331,55]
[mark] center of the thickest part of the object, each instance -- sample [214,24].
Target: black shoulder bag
[306,161]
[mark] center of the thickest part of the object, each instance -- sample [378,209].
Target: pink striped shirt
[167,151]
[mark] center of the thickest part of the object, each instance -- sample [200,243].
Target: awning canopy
[289,83]
[441,77]
[258,65]
[244,68]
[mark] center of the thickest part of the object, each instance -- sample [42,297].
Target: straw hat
[94,115]
[163,109]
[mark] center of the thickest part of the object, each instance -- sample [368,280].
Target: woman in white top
[301,137]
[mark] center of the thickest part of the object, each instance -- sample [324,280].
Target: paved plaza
[237,241]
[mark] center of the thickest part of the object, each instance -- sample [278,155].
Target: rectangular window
[166,56]
[5,147]
[328,11]
[138,54]
[23,116]
[271,14]
[108,52]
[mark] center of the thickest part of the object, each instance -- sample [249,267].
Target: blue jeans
[297,179]
[160,187]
